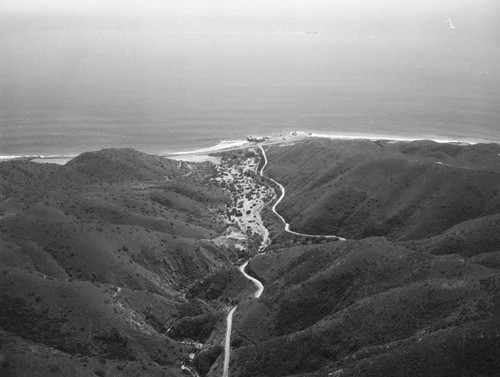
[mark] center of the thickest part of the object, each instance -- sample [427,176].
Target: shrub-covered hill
[369,308]
[404,191]
[471,237]
[93,258]
[121,165]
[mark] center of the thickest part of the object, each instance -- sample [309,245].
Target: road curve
[258,284]
[287,226]
[229,326]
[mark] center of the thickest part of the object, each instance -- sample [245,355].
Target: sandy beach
[205,154]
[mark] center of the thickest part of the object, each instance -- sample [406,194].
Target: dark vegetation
[93,258]
[358,189]
[415,295]
[364,307]
[198,328]
[205,359]
[222,285]
[106,265]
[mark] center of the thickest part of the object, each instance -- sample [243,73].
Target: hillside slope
[414,292]
[369,307]
[404,191]
[115,265]
[94,258]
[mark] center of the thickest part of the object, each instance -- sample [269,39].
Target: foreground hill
[109,267]
[369,308]
[94,256]
[415,295]
[404,191]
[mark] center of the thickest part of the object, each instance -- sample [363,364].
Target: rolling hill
[403,191]
[413,291]
[369,308]
[94,258]
[108,268]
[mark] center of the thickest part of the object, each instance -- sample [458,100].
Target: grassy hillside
[360,308]
[108,268]
[414,292]
[472,237]
[404,191]
[94,258]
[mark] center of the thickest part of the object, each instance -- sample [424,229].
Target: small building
[256,139]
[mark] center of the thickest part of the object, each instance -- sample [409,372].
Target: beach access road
[282,195]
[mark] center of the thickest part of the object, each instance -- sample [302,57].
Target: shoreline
[205,153]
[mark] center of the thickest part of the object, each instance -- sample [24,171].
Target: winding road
[258,284]
[287,226]
[229,321]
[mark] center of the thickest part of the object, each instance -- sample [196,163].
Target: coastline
[53,159]
[205,153]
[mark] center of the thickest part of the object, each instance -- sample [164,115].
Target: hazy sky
[477,18]
[159,8]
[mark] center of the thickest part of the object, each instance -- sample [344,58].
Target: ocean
[68,86]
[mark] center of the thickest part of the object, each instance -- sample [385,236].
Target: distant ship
[311,32]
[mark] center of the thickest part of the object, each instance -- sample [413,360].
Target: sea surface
[68,86]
